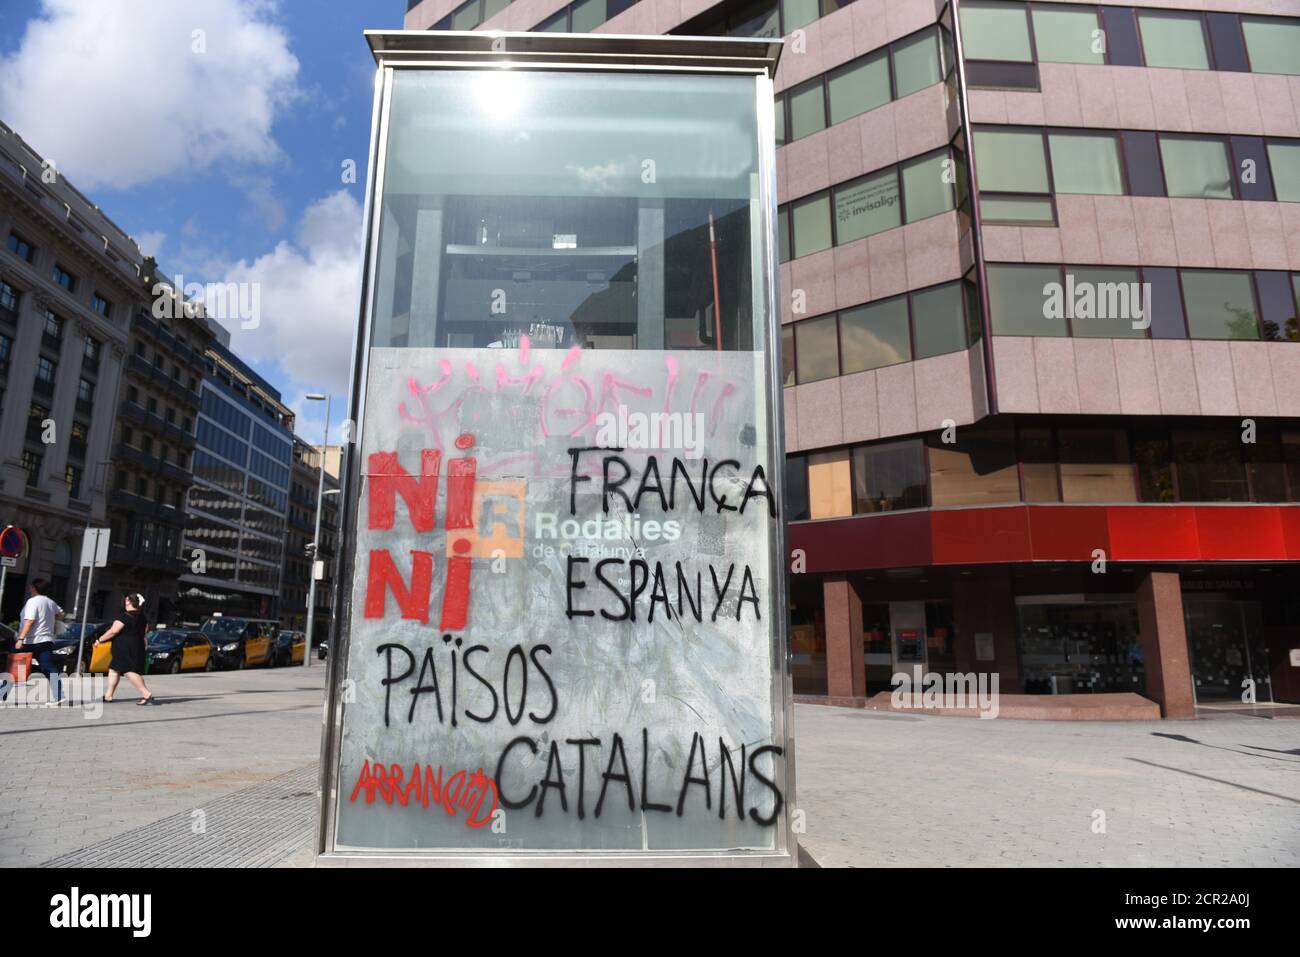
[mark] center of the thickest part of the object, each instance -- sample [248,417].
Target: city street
[224,773]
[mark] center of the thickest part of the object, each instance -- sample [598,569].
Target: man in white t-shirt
[38,629]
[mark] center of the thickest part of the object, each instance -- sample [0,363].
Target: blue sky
[215,132]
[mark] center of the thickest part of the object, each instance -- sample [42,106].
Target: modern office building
[1039,279]
[70,285]
[234,544]
[296,586]
[153,448]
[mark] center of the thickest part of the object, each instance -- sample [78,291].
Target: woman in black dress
[127,636]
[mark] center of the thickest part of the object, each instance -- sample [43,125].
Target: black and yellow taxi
[173,650]
[240,642]
[290,648]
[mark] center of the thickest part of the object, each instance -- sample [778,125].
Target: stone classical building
[70,285]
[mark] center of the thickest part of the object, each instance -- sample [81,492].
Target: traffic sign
[13,542]
[8,561]
[94,548]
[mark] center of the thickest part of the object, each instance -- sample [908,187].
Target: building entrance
[1225,640]
[1078,645]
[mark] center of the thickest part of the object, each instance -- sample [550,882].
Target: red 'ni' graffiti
[387,481]
[461,792]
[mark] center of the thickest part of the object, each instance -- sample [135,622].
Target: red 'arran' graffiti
[462,791]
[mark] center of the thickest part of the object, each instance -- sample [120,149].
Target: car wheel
[241,664]
[175,667]
[211,664]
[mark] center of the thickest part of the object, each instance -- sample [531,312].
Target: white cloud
[151,243]
[114,93]
[309,291]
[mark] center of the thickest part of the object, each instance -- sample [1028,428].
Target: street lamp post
[315,538]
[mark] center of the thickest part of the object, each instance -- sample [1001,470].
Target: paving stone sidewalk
[874,789]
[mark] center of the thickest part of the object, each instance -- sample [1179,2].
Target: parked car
[323,650]
[173,650]
[290,647]
[239,642]
[65,646]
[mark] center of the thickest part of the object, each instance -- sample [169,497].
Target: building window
[21,247]
[830,487]
[93,347]
[1196,166]
[6,347]
[1017,294]
[916,63]
[807,109]
[1210,467]
[72,475]
[1273,44]
[61,277]
[875,335]
[927,190]
[867,206]
[812,225]
[8,300]
[101,305]
[995,31]
[889,477]
[1086,163]
[858,87]
[32,466]
[53,326]
[1284,162]
[1107,303]
[85,391]
[938,323]
[142,486]
[45,370]
[817,349]
[980,468]
[1010,161]
[1173,40]
[1095,466]
[1220,304]
[1063,35]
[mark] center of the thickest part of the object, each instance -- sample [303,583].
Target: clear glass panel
[830,491]
[492,7]
[586,15]
[1018,300]
[1031,210]
[1105,303]
[995,32]
[1038,466]
[938,321]
[916,63]
[1010,161]
[867,206]
[779,113]
[1196,166]
[875,335]
[927,185]
[1062,35]
[817,349]
[787,355]
[1086,163]
[1284,162]
[531,284]
[807,109]
[861,86]
[1210,466]
[561,232]
[1220,304]
[783,233]
[1273,44]
[812,225]
[798,13]
[1173,40]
